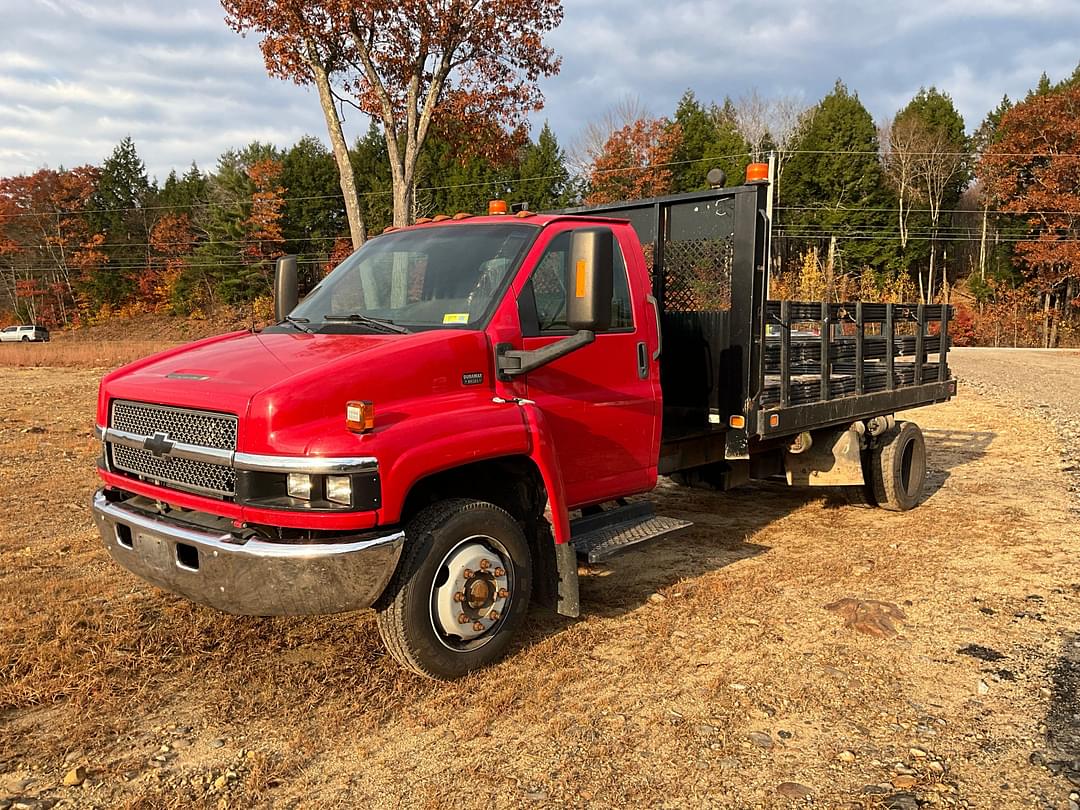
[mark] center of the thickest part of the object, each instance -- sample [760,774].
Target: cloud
[80,75]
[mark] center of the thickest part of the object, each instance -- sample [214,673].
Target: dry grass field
[705,672]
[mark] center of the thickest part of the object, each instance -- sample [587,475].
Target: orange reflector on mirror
[579,286]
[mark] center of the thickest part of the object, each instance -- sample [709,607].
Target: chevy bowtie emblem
[159,444]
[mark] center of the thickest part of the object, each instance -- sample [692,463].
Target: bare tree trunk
[1046,321]
[403,200]
[357,228]
[830,265]
[982,243]
[1052,342]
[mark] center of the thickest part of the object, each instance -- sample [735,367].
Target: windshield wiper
[298,323]
[382,324]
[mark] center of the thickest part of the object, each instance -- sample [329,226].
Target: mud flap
[568,601]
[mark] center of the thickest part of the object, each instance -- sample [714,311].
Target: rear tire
[25,339]
[898,468]
[453,549]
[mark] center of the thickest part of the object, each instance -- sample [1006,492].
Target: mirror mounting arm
[515,362]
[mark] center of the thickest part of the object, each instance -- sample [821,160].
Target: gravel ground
[708,670]
[1047,381]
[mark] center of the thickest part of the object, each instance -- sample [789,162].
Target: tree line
[911,208]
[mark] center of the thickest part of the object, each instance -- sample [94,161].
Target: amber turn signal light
[737,422]
[360,416]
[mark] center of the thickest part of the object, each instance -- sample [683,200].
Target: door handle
[642,360]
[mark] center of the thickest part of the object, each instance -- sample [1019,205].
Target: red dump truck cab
[461,409]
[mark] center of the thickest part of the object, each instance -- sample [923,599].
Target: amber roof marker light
[757,173]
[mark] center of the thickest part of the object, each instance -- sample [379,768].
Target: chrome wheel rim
[471,593]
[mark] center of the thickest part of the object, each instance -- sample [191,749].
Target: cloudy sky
[76,76]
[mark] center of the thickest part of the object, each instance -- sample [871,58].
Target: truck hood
[286,381]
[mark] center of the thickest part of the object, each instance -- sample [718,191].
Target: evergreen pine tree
[834,184]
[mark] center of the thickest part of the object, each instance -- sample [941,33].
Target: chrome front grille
[181,425]
[204,428]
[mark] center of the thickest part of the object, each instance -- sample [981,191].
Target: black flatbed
[741,372]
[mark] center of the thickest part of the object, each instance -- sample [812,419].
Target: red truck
[466,406]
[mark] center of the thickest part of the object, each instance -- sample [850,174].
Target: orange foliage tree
[263,234]
[170,244]
[407,64]
[47,248]
[1033,170]
[635,162]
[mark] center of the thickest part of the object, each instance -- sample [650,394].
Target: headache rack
[738,370]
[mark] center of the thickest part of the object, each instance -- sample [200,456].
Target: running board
[597,537]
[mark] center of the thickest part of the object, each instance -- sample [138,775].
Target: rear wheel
[898,468]
[25,339]
[460,592]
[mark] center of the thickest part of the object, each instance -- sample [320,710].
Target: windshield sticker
[455,317]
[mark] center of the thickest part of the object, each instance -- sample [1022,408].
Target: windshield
[439,277]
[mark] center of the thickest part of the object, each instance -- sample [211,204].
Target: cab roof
[537,220]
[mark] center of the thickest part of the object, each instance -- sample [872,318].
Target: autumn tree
[409,64]
[171,239]
[635,163]
[1033,170]
[49,253]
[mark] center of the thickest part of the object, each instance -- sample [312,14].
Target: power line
[894,210]
[507,181]
[477,184]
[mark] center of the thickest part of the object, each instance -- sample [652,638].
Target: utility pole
[769,220]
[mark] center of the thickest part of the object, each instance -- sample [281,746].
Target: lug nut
[459,597]
[500,572]
[462,618]
[503,593]
[467,573]
[477,627]
[485,565]
[494,615]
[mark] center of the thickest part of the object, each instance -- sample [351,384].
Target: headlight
[339,489]
[299,486]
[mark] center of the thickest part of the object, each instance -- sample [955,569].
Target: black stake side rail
[858,375]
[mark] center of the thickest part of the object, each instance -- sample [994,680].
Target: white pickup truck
[25,334]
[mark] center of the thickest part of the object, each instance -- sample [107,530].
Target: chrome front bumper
[248,577]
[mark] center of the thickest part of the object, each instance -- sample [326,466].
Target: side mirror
[286,290]
[589,279]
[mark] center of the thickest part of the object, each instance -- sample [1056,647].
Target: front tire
[460,592]
[898,467]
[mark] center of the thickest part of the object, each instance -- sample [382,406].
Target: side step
[597,537]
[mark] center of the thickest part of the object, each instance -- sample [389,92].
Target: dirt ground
[705,672]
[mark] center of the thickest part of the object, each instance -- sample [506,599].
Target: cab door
[601,402]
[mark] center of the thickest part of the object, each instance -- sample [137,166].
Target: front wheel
[460,592]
